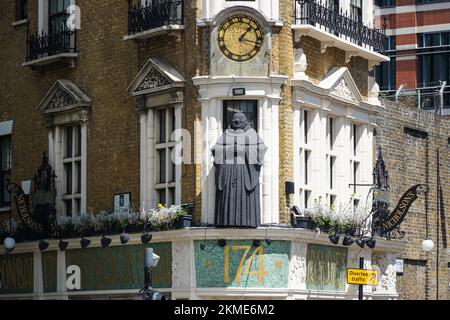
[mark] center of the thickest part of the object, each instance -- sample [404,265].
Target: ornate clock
[240,38]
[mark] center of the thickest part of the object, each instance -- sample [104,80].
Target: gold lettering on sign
[400,211]
[23,212]
[16,273]
[261,273]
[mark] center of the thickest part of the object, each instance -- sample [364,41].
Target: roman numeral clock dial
[240,38]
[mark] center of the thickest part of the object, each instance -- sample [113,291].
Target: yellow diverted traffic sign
[362,276]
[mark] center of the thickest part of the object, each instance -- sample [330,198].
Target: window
[332,172]
[356,10]
[307,167]
[72,170]
[247,107]
[21,10]
[385,72]
[165,180]
[307,199]
[433,66]
[356,133]
[331,133]
[332,202]
[429,1]
[306,125]
[5,173]
[385,3]
[355,175]
[57,15]
[355,204]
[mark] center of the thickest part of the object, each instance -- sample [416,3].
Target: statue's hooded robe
[238,157]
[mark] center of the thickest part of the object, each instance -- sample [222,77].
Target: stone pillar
[211,130]
[342,160]
[183,270]
[297,266]
[84,116]
[318,178]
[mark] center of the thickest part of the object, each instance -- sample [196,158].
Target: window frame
[75,161]
[3,172]
[253,123]
[385,3]
[168,186]
[55,16]
[21,10]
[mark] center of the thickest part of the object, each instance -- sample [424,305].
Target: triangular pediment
[63,95]
[339,83]
[155,76]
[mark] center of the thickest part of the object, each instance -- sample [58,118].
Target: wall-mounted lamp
[9,244]
[105,241]
[222,243]
[85,243]
[43,245]
[63,245]
[146,237]
[427,245]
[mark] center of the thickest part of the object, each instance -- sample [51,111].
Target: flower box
[185,222]
[303,222]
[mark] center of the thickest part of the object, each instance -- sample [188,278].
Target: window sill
[51,59]
[151,33]
[5,209]
[19,23]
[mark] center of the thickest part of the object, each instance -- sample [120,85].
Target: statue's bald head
[239,121]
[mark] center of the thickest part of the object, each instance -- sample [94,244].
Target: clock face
[240,38]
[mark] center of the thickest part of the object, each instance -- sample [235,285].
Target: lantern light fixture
[63,245]
[43,245]
[427,245]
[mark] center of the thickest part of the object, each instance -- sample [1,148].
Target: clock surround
[240,37]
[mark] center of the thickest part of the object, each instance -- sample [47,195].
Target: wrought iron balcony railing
[157,13]
[338,23]
[41,45]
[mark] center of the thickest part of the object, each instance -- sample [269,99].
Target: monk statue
[238,158]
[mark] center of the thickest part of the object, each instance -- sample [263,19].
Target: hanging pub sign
[37,212]
[396,217]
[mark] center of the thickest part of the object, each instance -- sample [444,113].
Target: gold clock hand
[247,40]
[245,33]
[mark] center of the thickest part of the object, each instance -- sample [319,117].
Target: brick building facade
[412,140]
[104,101]
[418,34]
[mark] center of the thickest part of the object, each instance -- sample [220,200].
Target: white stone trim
[402,47]
[297,266]
[43,16]
[19,22]
[148,164]
[405,58]
[184,284]
[83,202]
[38,281]
[6,127]
[329,39]
[267,91]
[156,32]
[55,147]
[323,101]
[148,159]
[418,29]
[269,8]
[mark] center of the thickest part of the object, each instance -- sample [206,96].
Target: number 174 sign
[259,252]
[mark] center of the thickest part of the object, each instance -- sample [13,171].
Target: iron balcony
[338,23]
[41,45]
[153,15]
